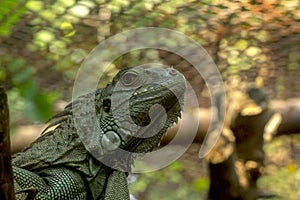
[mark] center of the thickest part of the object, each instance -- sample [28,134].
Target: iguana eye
[129,78]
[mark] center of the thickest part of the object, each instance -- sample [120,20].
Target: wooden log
[6,175]
[289,109]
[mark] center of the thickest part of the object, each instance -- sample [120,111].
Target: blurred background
[43,44]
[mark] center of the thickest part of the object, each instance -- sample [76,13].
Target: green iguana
[59,166]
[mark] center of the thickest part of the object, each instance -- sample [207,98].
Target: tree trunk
[6,176]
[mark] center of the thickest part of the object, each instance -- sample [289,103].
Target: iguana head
[130,115]
[139,105]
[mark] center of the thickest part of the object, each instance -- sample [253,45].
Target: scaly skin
[59,166]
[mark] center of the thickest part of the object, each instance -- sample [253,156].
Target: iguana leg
[117,187]
[55,183]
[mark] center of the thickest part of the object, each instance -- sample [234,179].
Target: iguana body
[59,166]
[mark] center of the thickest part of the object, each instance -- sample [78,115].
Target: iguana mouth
[150,96]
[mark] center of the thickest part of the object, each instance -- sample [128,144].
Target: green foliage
[169,184]
[283,182]
[26,98]
[37,105]
[11,12]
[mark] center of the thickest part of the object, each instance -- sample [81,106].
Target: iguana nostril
[173,72]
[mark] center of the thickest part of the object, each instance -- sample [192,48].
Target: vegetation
[163,183]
